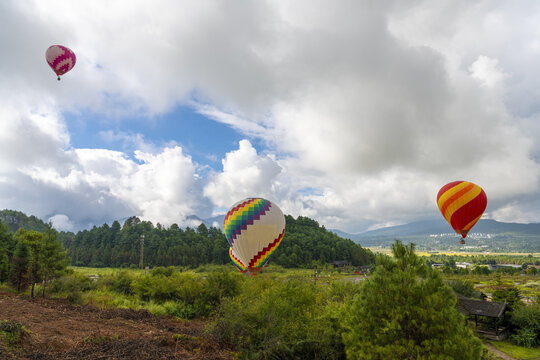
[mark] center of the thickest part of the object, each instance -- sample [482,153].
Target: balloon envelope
[60,58]
[462,204]
[237,262]
[254,228]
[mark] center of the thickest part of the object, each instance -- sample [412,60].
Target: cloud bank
[364,110]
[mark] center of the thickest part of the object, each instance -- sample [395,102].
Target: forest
[306,244]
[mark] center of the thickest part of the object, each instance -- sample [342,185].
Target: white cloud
[486,70]
[62,222]
[245,174]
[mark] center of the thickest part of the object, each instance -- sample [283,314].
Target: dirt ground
[59,330]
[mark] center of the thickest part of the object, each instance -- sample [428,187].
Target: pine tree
[405,311]
[20,264]
[33,240]
[53,257]
[4,267]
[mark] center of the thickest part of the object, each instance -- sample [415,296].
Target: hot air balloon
[254,228]
[60,59]
[462,204]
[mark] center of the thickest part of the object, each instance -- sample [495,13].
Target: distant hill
[487,234]
[16,219]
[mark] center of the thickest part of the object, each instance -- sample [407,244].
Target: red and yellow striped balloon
[462,204]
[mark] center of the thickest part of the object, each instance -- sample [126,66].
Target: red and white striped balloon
[61,59]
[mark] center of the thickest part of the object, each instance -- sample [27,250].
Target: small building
[341,264]
[436,265]
[500,266]
[464,265]
[489,309]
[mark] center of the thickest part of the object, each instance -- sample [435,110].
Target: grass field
[517,352]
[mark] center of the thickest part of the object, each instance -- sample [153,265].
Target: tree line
[306,244]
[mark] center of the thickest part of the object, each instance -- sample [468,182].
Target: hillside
[16,219]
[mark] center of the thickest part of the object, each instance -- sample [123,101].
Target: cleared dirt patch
[59,330]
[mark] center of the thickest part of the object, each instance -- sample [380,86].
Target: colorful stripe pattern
[60,59]
[240,216]
[237,262]
[263,256]
[462,204]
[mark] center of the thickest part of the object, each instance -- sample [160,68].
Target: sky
[353,113]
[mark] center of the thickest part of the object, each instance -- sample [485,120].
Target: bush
[71,283]
[120,283]
[465,288]
[12,332]
[524,337]
[198,295]
[527,321]
[75,297]
[164,271]
[282,320]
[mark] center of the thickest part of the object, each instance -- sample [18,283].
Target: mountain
[215,220]
[487,235]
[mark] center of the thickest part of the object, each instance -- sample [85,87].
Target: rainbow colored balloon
[254,228]
[61,59]
[462,204]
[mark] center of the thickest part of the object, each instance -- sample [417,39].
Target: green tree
[33,240]
[19,268]
[4,267]
[53,257]
[509,295]
[405,311]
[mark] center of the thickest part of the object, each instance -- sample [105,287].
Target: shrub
[281,320]
[524,337]
[72,283]
[465,288]
[74,297]
[527,321]
[13,332]
[198,296]
[120,282]
[164,271]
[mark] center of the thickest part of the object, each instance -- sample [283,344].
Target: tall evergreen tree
[405,311]
[33,240]
[4,267]
[53,257]
[19,268]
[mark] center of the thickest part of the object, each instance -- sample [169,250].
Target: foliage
[304,244]
[509,295]
[19,266]
[462,287]
[195,296]
[524,337]
[406,311]
[16,220]
[119,282]
[72,283]
[287,319]
[527,320]
[12,332]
